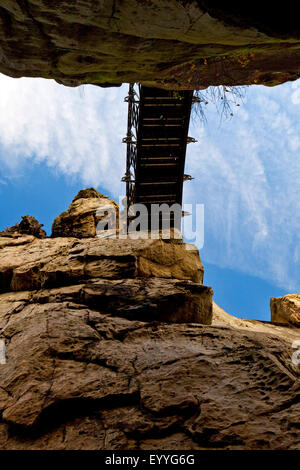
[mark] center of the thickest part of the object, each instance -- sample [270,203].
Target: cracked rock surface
[115,344]
[29,263]
[80,379]
[173,44]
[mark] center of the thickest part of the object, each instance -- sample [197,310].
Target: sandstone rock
[286,309]
[81,219]
[29,226]
[77,378]
[14,239]
[165,43]
[61,261]
[222,318]
[153,299]
[138,278]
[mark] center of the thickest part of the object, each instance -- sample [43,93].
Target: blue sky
[56,140]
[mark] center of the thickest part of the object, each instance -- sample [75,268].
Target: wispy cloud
[247,174]
[77,133]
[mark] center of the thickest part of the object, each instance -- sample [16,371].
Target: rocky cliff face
[167,43]
[116,344]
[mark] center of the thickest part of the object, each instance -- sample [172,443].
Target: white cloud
[79,133]
[295,97]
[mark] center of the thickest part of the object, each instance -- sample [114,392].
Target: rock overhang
[164,43]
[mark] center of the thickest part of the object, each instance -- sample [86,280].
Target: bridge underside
[158,122]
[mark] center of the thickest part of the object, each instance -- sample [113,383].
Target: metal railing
[131,140]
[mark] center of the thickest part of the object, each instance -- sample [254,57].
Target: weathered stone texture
[28,226]
[166,43]
[76,378]
[286,309]
[61,261]
[82,216]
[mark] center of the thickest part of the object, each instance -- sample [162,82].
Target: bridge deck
[161,138]
[161,145]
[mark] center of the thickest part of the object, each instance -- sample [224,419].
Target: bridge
[157,137]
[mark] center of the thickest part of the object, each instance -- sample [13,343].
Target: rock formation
[286,309]
[185,44]
[148,279]
[115,344]
[28,225]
